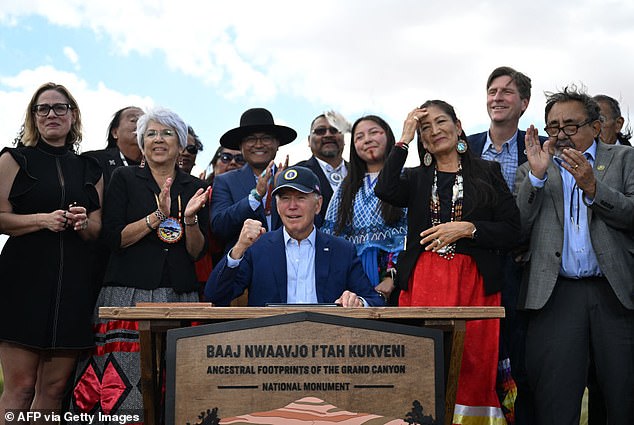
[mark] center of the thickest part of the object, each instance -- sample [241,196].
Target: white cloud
[360,56]
[72,56]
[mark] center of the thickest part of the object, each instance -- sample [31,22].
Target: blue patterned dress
[377,243]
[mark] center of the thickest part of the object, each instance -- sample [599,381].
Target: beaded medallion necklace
[448,251]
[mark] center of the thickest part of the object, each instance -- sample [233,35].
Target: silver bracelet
[148,224]
[382,294]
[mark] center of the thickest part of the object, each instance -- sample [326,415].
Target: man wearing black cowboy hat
[246,193]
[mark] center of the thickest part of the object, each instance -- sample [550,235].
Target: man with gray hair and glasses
[576,198]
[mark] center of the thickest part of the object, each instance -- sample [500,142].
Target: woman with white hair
[154,221]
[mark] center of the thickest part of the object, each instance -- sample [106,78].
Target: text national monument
[305,365]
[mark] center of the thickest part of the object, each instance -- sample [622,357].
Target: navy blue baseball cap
[298,178]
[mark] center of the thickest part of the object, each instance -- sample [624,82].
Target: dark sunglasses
[321,131]
[192,149]
[226,158]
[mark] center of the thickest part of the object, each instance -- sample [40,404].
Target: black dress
[46,300]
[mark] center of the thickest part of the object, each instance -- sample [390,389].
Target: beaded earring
[142,164]
[427,159]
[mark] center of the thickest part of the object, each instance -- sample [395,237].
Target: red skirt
[437,282]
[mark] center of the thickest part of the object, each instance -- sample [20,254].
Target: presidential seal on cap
[298,178]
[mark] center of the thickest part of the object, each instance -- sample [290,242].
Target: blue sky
[210,61]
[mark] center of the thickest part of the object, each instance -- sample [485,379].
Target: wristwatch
[193,223]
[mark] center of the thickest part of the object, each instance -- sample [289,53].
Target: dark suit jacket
[324,184]
[263,271]
[109,160]
[230,205]
[149,263]
[498,226]
[609,218]
[477,141]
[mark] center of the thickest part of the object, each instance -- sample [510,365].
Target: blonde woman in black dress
[49,206]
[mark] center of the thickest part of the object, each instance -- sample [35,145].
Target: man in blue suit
[246,193]
[296,263]
[508,96]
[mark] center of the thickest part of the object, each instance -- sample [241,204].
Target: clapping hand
[197,202]
[539,156]
[165,200]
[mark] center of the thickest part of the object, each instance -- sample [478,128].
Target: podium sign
[231,370]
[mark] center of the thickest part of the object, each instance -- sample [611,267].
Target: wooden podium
[156,319]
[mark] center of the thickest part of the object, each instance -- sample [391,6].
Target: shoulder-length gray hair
[165,117]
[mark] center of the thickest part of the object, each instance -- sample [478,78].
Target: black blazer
[498,226]
[149,263]
[109,160]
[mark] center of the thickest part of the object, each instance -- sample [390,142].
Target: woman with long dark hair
[461,216]
[376,228]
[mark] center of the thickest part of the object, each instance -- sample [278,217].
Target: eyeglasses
[151,134]
[321,131]
[252,140]
[60,109]
[193,149]
[226,158]
[569,130]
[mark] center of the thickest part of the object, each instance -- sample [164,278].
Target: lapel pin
[326,249]
[111,162]
[601,167]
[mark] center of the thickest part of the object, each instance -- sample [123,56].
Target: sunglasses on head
[226,157]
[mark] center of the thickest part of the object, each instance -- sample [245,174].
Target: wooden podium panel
[156,318]
[258,365]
